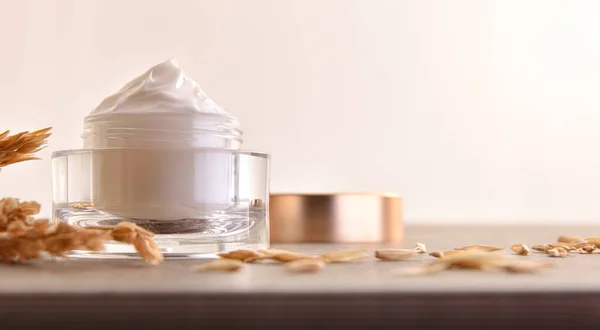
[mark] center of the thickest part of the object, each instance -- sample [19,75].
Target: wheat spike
[21,146]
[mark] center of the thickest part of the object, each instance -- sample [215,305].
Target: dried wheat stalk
[12,210]
[23,238]
[22,242]
[21,146]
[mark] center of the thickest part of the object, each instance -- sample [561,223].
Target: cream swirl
[162,107]
[164,88]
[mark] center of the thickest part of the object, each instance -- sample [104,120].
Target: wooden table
[122,294]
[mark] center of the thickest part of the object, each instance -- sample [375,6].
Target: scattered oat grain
[570,239]
[484,248]
[527,266]
[521,249]
[442,254]
[420,248]
[437,254]
[474,259]
[222,265]
[395,254]
[288,256]
[558,252]
[541,247]
[344,256]
[427,269]
[305,266]
[129,232]
[243,255]
[594,240]
[587,249]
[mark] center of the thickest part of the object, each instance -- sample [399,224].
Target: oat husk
[558,252]
[287,256]
[541,247]
[567,246]
[442,254]
[586,249]
[140,238]
[221,265]
[570,239]
[344,256]
[21,146]
[269,253]
[527,266]
[520,249]
[427,269]
[420,248]
[23,238]
[484,248]
[244,255]
[594,240]
[395,254]
[305,266]
[474,259]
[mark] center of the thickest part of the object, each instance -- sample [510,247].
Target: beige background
[475,111]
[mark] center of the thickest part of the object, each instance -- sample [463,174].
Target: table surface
[266,292]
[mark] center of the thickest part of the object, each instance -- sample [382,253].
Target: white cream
[147,132]
[164,88]
[163,107]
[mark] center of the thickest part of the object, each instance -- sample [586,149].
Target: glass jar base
[199,237]
[197,251]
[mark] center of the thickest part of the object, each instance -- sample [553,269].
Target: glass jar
[198,201]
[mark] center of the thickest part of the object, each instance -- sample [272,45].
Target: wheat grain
[474,259]
[222,265]
[427,269]
[557,252]
[140,238]
[570,239]
[420,248]
[521,249]
[287,256]
[244,255]
[541,247]
[305,265]
[442,254]
[526,266]
[344,256]
[395,254]
[587,249]
[484,248]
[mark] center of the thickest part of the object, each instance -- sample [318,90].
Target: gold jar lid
[336,218]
